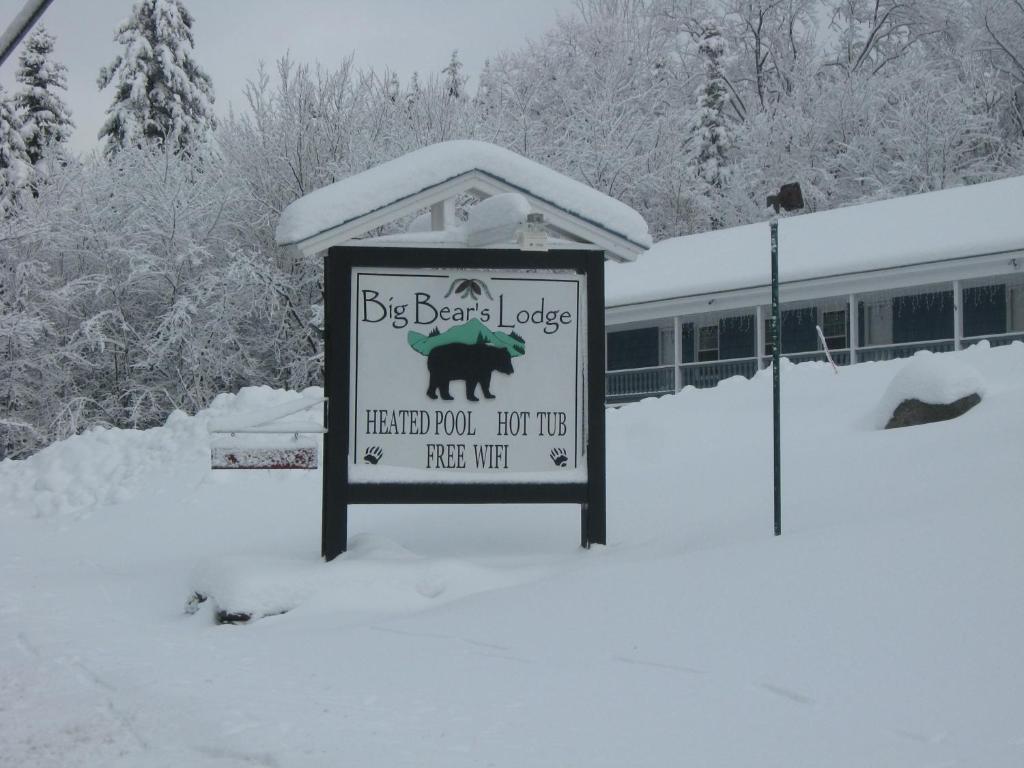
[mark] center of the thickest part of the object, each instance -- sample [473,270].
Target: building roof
[966,221]
[340,210]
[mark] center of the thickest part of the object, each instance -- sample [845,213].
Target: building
[937,271]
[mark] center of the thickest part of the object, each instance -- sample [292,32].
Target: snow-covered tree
[1002,22]
[160,92]
[872,35]
[710,129]
[30,370]
[604,97]
[934,132]
[767,39]
[712,132]
[46,120]
[393,87]
[14,162]
[454,80]
[999,29]
[151,280]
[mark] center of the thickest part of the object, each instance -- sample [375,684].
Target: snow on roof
[500,215]
[965,221]
[365,192]
[497,212]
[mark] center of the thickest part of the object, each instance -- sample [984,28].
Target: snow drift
[883,628]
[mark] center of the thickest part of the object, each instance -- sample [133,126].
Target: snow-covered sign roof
[927,228]
[359,203]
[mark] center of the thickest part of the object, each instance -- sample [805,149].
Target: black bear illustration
[472,363]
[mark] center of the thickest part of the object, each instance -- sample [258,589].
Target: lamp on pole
[789,198]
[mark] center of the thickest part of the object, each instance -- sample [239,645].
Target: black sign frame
[339,493]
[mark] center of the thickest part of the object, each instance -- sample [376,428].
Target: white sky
[233,35]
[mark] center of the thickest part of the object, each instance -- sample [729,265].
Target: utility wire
[20,27]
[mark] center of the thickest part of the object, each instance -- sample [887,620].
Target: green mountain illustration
[471,332]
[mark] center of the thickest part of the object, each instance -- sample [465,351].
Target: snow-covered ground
[884,628]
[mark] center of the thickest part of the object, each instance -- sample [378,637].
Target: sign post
[776,408]
[790,198]
[463,376]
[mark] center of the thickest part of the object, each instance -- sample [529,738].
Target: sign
[463,376]
[467,371]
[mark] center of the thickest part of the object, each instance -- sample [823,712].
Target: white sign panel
[464,374]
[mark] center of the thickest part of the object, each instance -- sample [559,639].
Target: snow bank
[113,466]
[938,379]
[100,467]
[377,187]
[881,628]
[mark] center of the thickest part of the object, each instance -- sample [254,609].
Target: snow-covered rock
[931,380]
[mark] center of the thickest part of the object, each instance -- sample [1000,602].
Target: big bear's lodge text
[453,454]
[376,309]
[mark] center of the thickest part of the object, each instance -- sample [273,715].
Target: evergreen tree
[454,80]
[487,99]
[394,88]
[485,85]
[46,120]
[712,134]
[412,96]
[14,163]
[710,128]
[160,92]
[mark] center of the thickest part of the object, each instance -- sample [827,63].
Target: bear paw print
[373,455]
[558,456]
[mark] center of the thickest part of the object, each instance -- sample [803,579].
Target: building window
[984,310]
[707,343]
[833,327]
[797,331]
[736,337]
[922,317]
[686,342]
[632,349]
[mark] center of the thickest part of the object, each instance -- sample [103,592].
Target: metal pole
[776,343]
